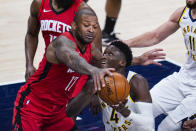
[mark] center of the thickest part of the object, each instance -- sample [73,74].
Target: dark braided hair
[125,50]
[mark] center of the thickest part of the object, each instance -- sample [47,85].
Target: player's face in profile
[86,28]
[191,4]
[111,57]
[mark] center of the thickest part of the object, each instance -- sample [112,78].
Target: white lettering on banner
[55,26]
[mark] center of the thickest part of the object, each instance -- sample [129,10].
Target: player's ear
[122,63]
[73,24]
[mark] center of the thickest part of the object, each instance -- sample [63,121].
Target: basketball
[117,89]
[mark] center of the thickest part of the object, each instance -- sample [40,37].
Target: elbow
[70,112]
[156,38]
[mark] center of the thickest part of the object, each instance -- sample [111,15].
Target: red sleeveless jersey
[50,90]
[54,23]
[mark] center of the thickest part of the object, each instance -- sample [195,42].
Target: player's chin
[88,40]
[103,65]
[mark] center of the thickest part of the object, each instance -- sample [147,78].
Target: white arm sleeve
[142,119]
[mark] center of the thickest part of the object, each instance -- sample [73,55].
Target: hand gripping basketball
[116,90]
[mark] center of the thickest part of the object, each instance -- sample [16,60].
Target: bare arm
[77,104]
[140,89]
[143,105]
[31,38]
[64,51]
[97,55]
[149,57]
[159,34]
[139,93]
[189,125]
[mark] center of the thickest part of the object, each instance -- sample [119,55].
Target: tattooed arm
[63,50]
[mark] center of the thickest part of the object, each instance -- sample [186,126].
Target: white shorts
[170,96]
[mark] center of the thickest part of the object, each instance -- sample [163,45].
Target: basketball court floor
[136,17]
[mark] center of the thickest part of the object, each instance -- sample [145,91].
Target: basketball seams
[125,87]
[104,96]
[115,89]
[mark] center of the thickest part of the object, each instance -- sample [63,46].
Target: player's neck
[193,13]
[121,71]
[81,46]
[56,6]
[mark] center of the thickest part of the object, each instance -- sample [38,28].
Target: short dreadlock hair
[125,50]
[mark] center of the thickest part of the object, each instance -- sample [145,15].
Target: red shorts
[28,116]
[27,123]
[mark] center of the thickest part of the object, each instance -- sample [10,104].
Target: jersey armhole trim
[77,6]
[184,10]
[131,99]
[130,86]
[41,8]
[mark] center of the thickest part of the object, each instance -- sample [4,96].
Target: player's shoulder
[64,41]
[179,11]
[36,3]
[139,88]
[138,82]
[83,5]
[35,7]
[177,14]
[138,78]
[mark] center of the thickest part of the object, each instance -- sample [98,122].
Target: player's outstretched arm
[159,34]
[149,57]
[64,50]
[31,38]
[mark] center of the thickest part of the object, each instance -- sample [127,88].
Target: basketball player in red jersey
[134,115]
[41,103]
[54,17]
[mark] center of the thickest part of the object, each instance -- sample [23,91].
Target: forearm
[31,43]
[77,104]
[136,61]
[74,61]
[145,40]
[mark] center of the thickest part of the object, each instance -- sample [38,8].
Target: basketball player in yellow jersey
[175,94]
[134,116]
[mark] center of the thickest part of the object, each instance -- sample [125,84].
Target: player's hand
[149,57]
[29,71]
[189,125]
[98,77]
[121,108]
[95,105]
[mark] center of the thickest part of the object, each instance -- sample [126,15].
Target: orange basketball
[117,89]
